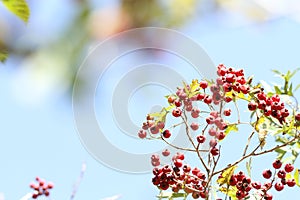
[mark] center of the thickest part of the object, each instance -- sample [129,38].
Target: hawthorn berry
[194,126]
[256,185]
[203,84]
[176,112]
[227,112]
[166,134]
[214,151]
[288,168]
[178,163]
[252,106]
[291,182]
[279,186]
[281,174]
[297,117]
[201,138]
[166,153]
[277,164]
[142,134]
[267,174]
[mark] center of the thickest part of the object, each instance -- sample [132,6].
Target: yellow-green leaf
[230,192]
[230,128]
[226,175]
[3,56]
[19,8]
[296,177]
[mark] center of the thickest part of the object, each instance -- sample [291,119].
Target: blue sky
[42,140]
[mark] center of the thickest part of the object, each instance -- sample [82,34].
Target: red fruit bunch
[41,188]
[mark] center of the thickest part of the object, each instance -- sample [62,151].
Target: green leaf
[277,90]
[280,153]
[290,92]
[297,87]
[3,56]
[170,195]
[249,167]
[296,177]
[19,8]
[277,72]
[294,72]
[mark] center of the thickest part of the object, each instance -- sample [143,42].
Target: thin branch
[248,143]
[76,185]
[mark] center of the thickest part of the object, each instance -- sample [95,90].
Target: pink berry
[166,153]
[194,126]
[154,129]
[142,134]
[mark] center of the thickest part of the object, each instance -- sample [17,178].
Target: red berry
[297,117]
[195,171]
[201,138]
[176,112]
[268,197]
[252,106]
[180,156]
[166,134]
[220,135]
[210,120]
[178,163]
[277,164]
[177,103]
[256,185]
[203,84]
[214,151]
[288,168]
[186,168]
[207,99]
[164,185]
[200,96]
[281,174]
[227,112]
[233,181]
[291,182]
[267,174]
[279,186]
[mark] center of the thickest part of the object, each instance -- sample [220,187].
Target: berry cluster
[242,183]
[269,106]
[41,188]
[280,175]
[180,177]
